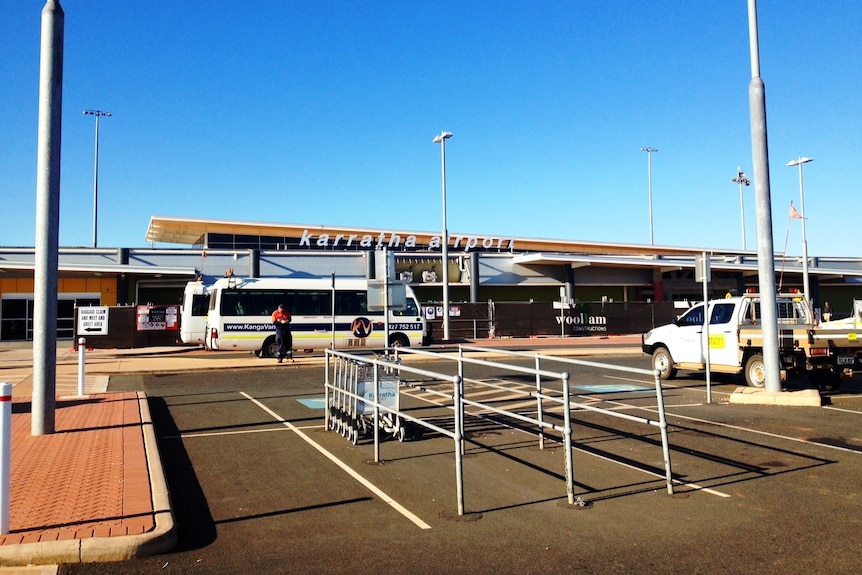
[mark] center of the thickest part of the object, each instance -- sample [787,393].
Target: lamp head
[442,136]
[798,161]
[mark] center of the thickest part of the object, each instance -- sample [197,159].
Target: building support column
[569,281]
[253,263]
[474,277]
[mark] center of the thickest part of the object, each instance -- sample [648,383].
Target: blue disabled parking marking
[313,402]
[611,388]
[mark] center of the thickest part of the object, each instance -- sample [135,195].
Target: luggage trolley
[349,414]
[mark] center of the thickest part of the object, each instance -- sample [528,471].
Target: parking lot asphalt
[261,485]
[94,489]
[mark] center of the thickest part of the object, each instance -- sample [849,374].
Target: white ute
[736,342]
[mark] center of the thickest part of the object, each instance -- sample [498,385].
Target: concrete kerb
[109,549]
[755,396]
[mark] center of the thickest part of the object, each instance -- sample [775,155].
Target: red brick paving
[87,479]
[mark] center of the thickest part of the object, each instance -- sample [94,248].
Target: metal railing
[662,420]
[347,403]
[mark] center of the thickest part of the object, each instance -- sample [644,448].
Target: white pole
[82,351]
[763,211]
[332,311]
[97,114]
[741,180]
[96,188]
[385,305]
[742,214]
[444,255]
[705,340]
[5,454]
[805,282]
[47,219]
[649,177]
[649,150]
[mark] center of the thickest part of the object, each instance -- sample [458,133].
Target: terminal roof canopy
[526,251]
[193,231]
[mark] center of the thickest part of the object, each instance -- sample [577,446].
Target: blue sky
[324,113]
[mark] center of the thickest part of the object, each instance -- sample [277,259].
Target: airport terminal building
[481,268]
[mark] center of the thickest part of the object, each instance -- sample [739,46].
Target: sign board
[384,266]
[377,295]
[387,387]
[92,321]
[157,318]
[702,271]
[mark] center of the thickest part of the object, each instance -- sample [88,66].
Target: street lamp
[805,285]
[742,181]
[441,139]
[649,152]
[97,114]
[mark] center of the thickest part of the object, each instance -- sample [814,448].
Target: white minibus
[239,315]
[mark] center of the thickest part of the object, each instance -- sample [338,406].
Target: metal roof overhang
[191,231]
[116,269]
[672,264]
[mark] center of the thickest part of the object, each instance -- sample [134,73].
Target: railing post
[458,389]
[376,398]
[459,414]
[540,415]
[567,440]
[326,384]
[662,424]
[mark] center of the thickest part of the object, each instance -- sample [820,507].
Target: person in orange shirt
[283,336]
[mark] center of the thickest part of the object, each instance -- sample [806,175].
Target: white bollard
[82,351]
[5,454]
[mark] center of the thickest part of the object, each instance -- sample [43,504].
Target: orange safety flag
[794,215]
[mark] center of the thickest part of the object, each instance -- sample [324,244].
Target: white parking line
[853,411]
[748,429]
[693,486]
[346,468]
[666,385]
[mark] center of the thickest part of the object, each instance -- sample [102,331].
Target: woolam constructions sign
[582,323]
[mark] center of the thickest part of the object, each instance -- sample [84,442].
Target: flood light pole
[805,285]
[649,152]
[441,139]
[742,181]
[97,114]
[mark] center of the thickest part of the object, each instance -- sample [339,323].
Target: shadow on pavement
[195,525]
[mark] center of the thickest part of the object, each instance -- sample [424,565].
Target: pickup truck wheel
[755,371]
[663,362]
[824,379]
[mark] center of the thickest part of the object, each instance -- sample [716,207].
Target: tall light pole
[742,181]
[441,139]
[805,285]
[45,280]
[649,152]
[763,210]
[97,114]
